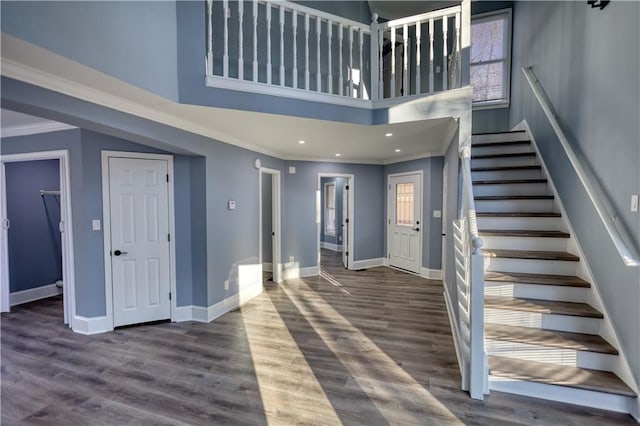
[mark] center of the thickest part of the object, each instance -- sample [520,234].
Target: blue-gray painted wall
[35,251]
[431,169]
[588,62]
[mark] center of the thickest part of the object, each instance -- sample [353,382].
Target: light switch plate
[437,213]
[95,224]
[232,205]
[634,203]
[292,170]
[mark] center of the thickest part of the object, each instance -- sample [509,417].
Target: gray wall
[134,41]
[340,183]
[267,218]
[35,251]
[579,55]
[431,200]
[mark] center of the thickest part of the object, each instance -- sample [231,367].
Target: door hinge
[388,255]
[389,221]
[169,237]
[346,187]
[167,177]
[169,295]
[346,220]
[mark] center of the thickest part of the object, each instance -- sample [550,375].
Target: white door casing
[404,236]
[138,227]
[346,223]
[443,264]
[348,236]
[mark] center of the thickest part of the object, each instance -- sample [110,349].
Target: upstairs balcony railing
[287,49]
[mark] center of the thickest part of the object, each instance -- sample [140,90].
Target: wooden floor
[371,347]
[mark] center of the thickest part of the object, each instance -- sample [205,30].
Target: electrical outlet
[95,224]
[634,203]
[226,284]
[437,213]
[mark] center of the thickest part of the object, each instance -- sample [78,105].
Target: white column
[445,65]
[255,40]
[318,73]
[329,64]
[209,37]
[405,56]
[431,30]
[269,66]
[294,17]
[282,45]
[418,55]
[225,57]
[240,41]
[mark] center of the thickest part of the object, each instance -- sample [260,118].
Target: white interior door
[346,222]
[443,264]
[405,215]
[139,217]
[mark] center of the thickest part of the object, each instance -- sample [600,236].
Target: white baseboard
[431,274]
[90,325]
[368,263]
[456,336]
[293,273]
[634,410]
[32,294]
[330,246]
[267,266]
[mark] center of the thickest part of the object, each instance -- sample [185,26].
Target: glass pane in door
[404,204]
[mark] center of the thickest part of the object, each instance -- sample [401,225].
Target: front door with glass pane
[404,224]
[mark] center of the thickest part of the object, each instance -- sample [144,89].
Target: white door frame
[68,261]
[421,209]
[276,221]
[444,227]
[106,222]
[352,210]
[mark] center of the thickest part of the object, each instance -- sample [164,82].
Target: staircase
[542,335]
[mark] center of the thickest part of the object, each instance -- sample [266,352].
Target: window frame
[506,102]
[327,208]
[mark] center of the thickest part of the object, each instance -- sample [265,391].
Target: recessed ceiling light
[388,134]
[301,142]
[397,150]
[338,155]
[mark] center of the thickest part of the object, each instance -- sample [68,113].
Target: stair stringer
[607,330]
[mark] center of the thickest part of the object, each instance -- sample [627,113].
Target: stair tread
[523,233]
[505,168]
[518,214]
[542,306]
[503,143]
[508,181]
[530,254]
[560,375]
[504,155]
[542,279]
[507,132]
[549,338]
[513,197]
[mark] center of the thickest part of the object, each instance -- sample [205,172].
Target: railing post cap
[465,152]
[374,18]
[477,243]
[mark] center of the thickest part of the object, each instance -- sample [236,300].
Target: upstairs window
[491,58]
[330,209]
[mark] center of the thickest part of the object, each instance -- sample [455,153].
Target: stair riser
[507,174]
[535,291]
[581,397]
[512,189]
[543,321]
[524,243]
[570,357]
[514,205]
[529,223]
[531,266]
[497,149]
[504,161]
[498,137]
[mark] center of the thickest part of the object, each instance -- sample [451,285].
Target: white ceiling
[272,134]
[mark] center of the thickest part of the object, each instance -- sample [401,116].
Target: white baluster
[306,51]
[418,56]
[255,40]
[375,58]
[361,82]
[330,77]
[209,37]
[431,30]
[318,74]
[380,65]
[458,63]
[392,92]
[294,15]
[341,79]
[350,61]
[269,66]
[282,46]
[405,57]
[240,40]
[445,72]
[225,57]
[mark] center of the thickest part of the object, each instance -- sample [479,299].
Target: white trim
[106,222]
[68,259]
[91,325]
[32,294]
[330,246]
[294,272]
[431,274]
[208,314]
[32,129]
[325,208]
[352,213]
[457,342]
[267,266]
[634,408]
[276,220]
[368,263]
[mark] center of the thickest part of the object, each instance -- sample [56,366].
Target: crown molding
[32,129]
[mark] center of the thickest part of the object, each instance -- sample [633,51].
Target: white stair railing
[287,49]
[469,267]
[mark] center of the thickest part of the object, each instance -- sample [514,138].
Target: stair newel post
[225,57]
[478,372]
[375,51]
[209,37]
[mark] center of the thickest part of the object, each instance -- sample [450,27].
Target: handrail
[450,11]
[465,157]
[601,202]
[324,16]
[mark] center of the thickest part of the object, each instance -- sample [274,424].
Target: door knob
[118,252]
[416,229]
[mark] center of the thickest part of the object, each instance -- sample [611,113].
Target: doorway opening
[335,215]
[269,225]
[37,235]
